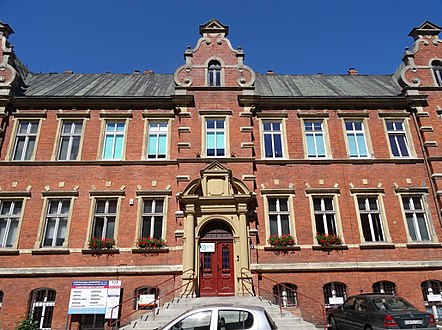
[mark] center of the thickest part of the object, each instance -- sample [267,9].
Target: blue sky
[287,36]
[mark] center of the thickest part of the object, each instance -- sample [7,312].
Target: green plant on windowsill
[98,243]
[151,243]
[281,241]
[328,239]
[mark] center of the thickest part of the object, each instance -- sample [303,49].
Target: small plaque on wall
[207,247]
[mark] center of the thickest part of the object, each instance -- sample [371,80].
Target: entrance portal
[216,260]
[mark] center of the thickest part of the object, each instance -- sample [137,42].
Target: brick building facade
[250,180]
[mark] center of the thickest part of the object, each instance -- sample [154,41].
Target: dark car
[378,311]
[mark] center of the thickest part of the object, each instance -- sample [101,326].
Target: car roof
[374,295]
[231,306]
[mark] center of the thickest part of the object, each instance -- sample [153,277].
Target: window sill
[151,251]
[50,251]
[102,251]
[422,245]
[374,246]
[282,248]
[329,248]
[9,252]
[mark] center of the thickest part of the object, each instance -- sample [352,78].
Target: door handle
[217,267]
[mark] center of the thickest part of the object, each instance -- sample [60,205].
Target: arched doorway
[216,276]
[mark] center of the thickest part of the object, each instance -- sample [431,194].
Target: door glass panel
[207,262]
[225,257]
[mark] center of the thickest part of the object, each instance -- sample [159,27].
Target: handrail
[279,299]
[157,298]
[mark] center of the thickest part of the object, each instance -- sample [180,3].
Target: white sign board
[146,300]
[336,300]
[94,297]
[207,247]
[113,299]
[434,297]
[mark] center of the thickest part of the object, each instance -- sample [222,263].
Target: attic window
[437,72]
[214,74]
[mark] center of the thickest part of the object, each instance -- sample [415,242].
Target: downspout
[427,164]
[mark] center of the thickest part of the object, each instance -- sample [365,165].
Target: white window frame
[215,130]
[114,133]
[71,135]
[356,132]
[272,134]
[370,212]
[57,217]
[152,216]
[395,133]
[27,135]
[413,211]
[44,304]
[325,212]
[105,215]
[322,134]
[279,213]
[8,218]
[157,132]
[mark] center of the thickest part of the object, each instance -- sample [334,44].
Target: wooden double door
[216,269]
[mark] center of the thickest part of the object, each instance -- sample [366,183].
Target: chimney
[270,72]
[68,72]
[352,72]
[149,72]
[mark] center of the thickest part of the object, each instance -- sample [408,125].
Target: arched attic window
[437,72]
[214,74]
[384,287]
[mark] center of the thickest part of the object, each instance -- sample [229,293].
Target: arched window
[384,287]
[285,294]
[1,298]
[437,72]
[214,74]
[334,294]
[431,291]
[42,307]
[147,297]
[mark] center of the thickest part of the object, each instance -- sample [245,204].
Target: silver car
[222,317]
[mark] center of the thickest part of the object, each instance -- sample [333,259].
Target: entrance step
[285,320]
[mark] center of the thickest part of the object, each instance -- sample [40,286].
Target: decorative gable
[214,50]
[425,29]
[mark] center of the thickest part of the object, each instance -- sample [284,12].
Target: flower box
[328,239]
[151,250]
[98,243]
[147,243]
[281,240]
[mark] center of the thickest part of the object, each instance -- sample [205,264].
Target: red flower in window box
[150,243]
[281,240]
[98,243]
[328,239]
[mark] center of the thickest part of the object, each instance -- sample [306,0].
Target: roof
[320,85]
[162,85]
[99,85]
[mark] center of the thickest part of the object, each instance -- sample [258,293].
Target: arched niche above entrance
[216,230]
[216,181]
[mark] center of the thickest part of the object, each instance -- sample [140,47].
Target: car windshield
[392,304]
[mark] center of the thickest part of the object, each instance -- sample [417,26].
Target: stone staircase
[170,310]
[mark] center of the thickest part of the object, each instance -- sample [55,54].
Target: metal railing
[256,289]
[189,289]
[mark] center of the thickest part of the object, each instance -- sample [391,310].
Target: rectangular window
[113,140]
[357,145]
[215,138]
[157,140]
[371,222]
[416,218]
[25,140]
[279,216]
[314,135]
[272,139]
[10,211]
[70,138]
[104,218]
[398,138]
[56,223]
[325,215]
[153,218]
